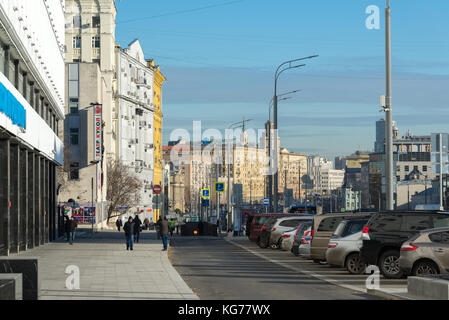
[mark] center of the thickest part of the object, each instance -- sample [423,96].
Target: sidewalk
[107,270]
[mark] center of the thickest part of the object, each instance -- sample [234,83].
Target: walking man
[73,226]
[165,227]
[137,225]
[129,233]
[67,223]
[158,228]
[118,223]
[172,226]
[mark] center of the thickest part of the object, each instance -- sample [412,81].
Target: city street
[221,269]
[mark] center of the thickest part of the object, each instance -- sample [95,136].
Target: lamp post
[288,65]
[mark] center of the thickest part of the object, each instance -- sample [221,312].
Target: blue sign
[205,193]
[266,202]
[121,208]
[205,202]
[219,187]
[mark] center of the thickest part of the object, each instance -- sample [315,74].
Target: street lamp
[288,65]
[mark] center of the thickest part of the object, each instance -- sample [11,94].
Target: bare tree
[122,188]
[63,172]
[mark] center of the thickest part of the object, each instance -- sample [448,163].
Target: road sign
[219,187]
[157,189]
[266,202]
[205,202]
[157,199]
[122,208]
[205,193]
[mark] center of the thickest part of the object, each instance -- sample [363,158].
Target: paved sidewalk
[107,270]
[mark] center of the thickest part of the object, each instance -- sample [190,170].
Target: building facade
[293,167]
[135,124]
[90,80]
[31,113]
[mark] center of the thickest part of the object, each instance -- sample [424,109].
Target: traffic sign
[219,187]
[157,189]
[266,202]
[205,193]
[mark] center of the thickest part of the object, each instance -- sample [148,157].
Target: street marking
[313,274]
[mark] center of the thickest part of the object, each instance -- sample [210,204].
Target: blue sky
[219,58]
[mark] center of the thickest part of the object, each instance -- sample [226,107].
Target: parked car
[300,233]
[258,221]
[287,238]
[385,233]
[344,246]
[426,253]
[265,231]
[272,236]
[304,247]
[323,228]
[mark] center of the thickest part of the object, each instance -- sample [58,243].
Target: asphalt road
[216,269]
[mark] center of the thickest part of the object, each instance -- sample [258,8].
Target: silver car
[282,225]
[344,246]
[426,253]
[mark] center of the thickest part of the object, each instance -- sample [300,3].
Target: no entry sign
[157,189]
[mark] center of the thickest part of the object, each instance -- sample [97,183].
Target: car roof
[441,229]
[415,212]
[307,217]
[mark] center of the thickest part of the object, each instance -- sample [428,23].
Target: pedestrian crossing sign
[219,187]
[205,193]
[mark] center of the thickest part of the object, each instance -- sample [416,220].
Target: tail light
[311,234]
[332,245]
[263,228]
[285,236]
[274,229]
[304,241]
[408,247]
[365,233]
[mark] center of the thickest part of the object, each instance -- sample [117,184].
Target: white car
[287,239]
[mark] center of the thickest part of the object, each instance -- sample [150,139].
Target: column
[23,199]
[46,200]
[14,198]
[16,74]
[24,85]
[42,201]
[4,195]
[6,62]
[31,200]
[37,198]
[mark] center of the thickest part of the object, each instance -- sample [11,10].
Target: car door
[440,247]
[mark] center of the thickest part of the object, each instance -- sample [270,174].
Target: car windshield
[302,229]
[270,222]
[440,221]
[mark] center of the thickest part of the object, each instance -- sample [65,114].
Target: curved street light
[288,65]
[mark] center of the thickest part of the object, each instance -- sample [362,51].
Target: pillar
[23,196]
[4,195]
[37,198]
[14,198]
[31,200]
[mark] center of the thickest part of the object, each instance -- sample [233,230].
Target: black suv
[385,233]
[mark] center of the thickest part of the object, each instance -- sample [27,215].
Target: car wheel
[260,244]
[274,246]
[316,260]
[354,264]
[424,268]
[295,253]
[389,265]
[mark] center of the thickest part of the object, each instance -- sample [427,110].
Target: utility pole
[388,113]
[441,171]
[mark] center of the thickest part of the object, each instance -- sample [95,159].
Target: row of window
[76,42]
[407,168]
[77,22]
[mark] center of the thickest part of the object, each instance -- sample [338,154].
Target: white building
[135,139]
[31,111]
[331,179]
[315,165]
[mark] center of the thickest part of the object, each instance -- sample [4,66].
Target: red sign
[98,132]
[157,189]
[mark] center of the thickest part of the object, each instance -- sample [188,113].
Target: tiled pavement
[107,270]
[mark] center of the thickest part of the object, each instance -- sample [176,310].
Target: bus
[302,208]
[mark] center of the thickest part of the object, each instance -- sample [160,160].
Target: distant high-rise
[379,144]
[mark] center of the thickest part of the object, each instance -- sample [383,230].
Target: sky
[220,56]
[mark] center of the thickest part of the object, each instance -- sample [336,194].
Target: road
[218,269]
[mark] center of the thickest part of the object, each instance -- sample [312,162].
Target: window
[398,168]
[76,42]
[436,237]
[407,168]
[77,21]
[74,171]
[440,221]
[386,222]
[96,42]
[330,224]
[398,178]
[415,168]
[73,105]
[74,132]
[416,223]
[96,22]
[424,168]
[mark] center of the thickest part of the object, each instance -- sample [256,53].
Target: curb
[386,295]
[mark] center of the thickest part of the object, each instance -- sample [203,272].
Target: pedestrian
[73,226]
[137,229]
[172,226]
[146,223]
[129,233]
[165,227]
[118,223]
[158,228]
[67,227]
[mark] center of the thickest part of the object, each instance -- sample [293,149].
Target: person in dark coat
[118,223]
[137,229]
[165,229]
[158,228]
[146,222]
[67,227]
[129,233]
[73,226]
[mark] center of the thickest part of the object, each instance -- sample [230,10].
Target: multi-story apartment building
[293,166]
[31,112]
[90,80]
[315,165]
[331,179]
[135,120]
